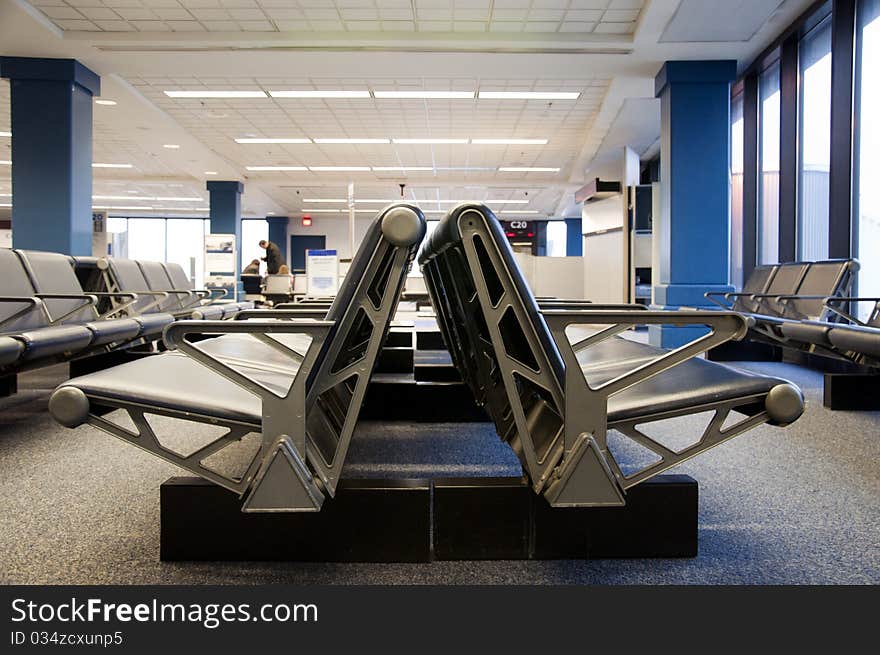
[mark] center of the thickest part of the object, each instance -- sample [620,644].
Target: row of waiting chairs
[806,306]
[300,381]
[47,316]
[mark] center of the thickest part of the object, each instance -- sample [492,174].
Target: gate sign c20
[519,225]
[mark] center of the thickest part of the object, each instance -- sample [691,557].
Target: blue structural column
[51,153]
[693,229]
[278,234]
[225,204]
[574,241]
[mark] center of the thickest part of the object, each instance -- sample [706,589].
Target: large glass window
[867,230]
[186,246]
[815,142]
[768,183]
[252,232]
[736,191]
[146,239]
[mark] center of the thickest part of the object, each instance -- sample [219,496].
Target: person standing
[272,258]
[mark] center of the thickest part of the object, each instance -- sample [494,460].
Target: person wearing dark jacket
[272,258]
[252,269]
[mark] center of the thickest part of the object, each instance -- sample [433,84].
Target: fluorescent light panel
[319,94]
[171,146]
[4,162]
[272,140]
[112,166]
[276,168]
[106,103]
[430,141]
[351,141]
[426,95]
[332,169]
[528,169]
[215,94]
[5,133]
[403,168]
[529,95]
[509,142]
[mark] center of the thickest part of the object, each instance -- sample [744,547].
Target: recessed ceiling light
[282,140]
[118,198]
[270,213]
[352,141]
[106,103]
[527,169]
[322,210]
[276,168]
[112,166]
[215,94]
[210,172]
[171,146]
[529,95]
[6,195]
[431,141]
[4,162]
[324,200]
[178,199]
[319,94]
[428,95]
[5,204]
[509,142]
[519,211]
[5,133]
[330,169]
[403,168]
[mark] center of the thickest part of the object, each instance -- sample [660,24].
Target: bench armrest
[89,300]
[29,304]
[830,300]
[247,314]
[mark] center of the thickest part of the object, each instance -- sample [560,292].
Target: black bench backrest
[51,272]
[14,282]
[496,334]
[362,312]
[824,278]
[757,282]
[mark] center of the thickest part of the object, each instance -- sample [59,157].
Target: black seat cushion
[51,341]
[855,338]
[10,350]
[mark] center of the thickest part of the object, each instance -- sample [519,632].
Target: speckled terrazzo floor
[800,505]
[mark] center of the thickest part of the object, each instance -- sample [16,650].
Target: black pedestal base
[395,359]
[402,398]
[368,521]
[419,520]
[745,351]
[501,518]
[8,385]
[853,392]
[429,340]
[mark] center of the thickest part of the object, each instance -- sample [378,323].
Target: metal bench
[555,391]
[297,382]
[46,317]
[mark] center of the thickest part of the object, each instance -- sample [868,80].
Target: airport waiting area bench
[555,390]
[158,287]
[46,317]
[296,380]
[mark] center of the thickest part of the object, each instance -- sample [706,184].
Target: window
[557,238]
[252,232]
[146,239]
[736,191]
[186,246]
[117,231]
[815,142]
[867,230]
[768,166]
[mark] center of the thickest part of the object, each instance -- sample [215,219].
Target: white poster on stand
[322,273]
[220,263]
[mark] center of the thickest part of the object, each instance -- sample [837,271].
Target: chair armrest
[851,299]
[246,314]
[88,300]
[30,303]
